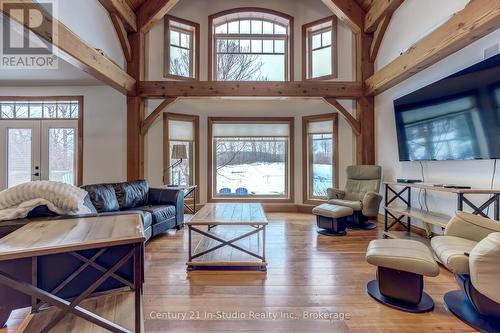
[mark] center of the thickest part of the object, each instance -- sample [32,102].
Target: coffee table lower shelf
[227,265]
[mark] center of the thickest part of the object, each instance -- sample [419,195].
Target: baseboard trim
[276,208]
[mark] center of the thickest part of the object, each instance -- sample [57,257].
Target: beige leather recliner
[361,193]
[470,248]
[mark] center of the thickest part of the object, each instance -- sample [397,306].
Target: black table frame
[66,307]
[461,200]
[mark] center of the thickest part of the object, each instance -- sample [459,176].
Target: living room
[331,161]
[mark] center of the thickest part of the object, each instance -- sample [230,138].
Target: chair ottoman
[401,266]
[332,219]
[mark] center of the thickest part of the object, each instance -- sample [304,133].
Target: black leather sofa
[160,209]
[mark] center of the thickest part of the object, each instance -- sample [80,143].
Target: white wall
[413,17]
[91,22]
[198,11]
[105,121]
[246,108]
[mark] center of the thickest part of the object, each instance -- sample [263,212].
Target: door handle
[37,174]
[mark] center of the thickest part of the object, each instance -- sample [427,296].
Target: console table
[187,190]
[402,191]
[55,266]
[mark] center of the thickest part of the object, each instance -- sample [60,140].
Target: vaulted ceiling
[135,4]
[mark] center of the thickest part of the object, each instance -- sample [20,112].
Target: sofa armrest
[168,196]
[335,193]
[469,226]
[371,204]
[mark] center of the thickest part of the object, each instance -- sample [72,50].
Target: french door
[38,150]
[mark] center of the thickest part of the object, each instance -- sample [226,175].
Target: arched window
[250,44]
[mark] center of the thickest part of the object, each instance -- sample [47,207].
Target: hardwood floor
[307,272]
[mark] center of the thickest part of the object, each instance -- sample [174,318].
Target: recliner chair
[360,194]
[470,248]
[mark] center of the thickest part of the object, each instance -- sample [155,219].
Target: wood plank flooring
[307,272]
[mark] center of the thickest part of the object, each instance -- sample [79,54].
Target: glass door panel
[20,155]
[59,146]
[19,145]
[62,155]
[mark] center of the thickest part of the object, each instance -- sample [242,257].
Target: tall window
[320,151]
[250,157]
[181,134]
[319,45]
[182,40]
[42,139]
[251,44]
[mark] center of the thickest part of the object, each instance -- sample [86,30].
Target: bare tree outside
[180,65]
[235,66]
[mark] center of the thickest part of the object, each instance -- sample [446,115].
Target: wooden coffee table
[234,239]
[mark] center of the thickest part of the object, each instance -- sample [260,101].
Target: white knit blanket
[61,198]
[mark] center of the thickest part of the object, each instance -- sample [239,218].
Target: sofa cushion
[87,202]
[132,194]
[147,218]
[451,251]
[103,197]
[355,205]
[159,213]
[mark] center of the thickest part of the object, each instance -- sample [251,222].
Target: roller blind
[324,126]
[180,130]
[250,130]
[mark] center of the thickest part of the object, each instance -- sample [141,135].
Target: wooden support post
[135,110]
[365,108]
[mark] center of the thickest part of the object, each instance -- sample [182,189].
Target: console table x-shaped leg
[65,307]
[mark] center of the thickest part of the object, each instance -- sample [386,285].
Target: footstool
[401,266]
[331,219]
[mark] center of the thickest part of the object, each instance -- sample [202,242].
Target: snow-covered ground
[322,175]
[267,178]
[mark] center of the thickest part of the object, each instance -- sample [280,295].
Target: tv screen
[456,118]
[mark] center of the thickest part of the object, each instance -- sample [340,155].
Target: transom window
[39,109]
[251,45]
[181,48]
[320,49]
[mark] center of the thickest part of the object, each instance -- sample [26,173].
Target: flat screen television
[456,118]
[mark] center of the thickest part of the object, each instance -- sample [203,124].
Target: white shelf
[440,220]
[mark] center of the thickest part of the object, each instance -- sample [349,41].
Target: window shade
[325,126]
[180,130]
[250,130]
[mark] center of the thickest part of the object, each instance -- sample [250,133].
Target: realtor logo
[26,27]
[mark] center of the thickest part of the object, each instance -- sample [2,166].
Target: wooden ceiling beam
[123,10]
[164,89]
[378,36]
[477,19]
[365,4]
[122,36]
[153,11]
[349,12]
[146,123]
[69,47]
[379,10]
[351,120]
